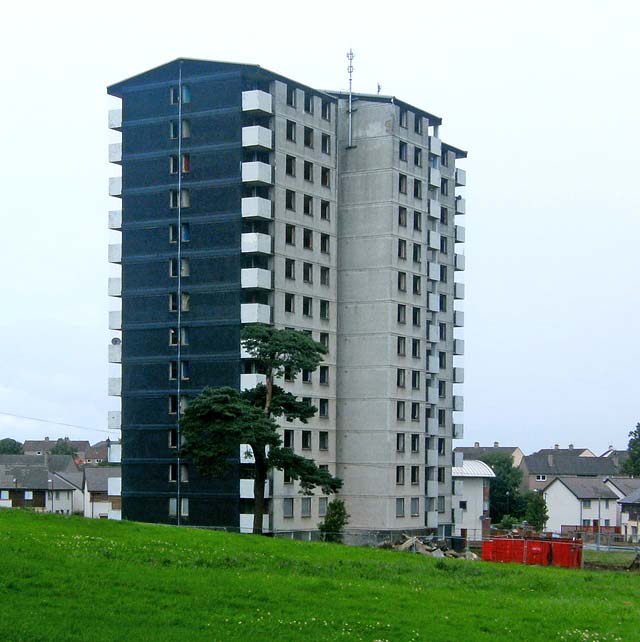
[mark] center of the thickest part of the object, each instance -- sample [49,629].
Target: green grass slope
[74,579]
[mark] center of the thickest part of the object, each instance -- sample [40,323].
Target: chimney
[570,446]
[496,444]
[46,438]
[556,446]
[476,444]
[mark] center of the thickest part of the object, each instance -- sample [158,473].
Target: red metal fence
[543,552]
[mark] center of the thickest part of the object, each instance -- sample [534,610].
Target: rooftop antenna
[350,57]
[379,88]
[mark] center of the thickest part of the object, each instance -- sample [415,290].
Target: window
[291,131]
[322,506]
[308,137]
[173,438]
[323,438]
[186,163]
[307,272]
[417,188]
[400,442]
[415,411]
[415,506]
[445,159]
[443,244]
[444,187]
[173,369]
[289,302]
[290,234]
[444,216]
[290,165]
[417,252]
[443,273]
[326,144]
[325,212]
[402,216]
[175,95]
[324,276]
[324,243]
[184,267]
[308,171]
[402,249]
[185,200]
[433,162]
[415,379]
[415,474]
[442,389]
[308,102]
[400,475]
[442,418]
[607,522]
[417,157]
[186,94]
[289,269]
[442,331]
[442,359]
[307,205]
[586,522]
[287,507]
[324,310]
[173,472]
[28,495]
[323,408]
[326,110]
[173,164]
[324,339]
[416,317]
[287,478]
[400,410]
[307,239]
[402,183]
[173,233]
[402,313]
[403,117]
[289,437]
[415,348]
[586,503]
[324,375]
[401,343]
[417,124]
[173,506]
[417,221]
[325,177]
[441,475]
[306,375]
[440,503]
[541,478]
[290,200]
[399,506]
[402,152]
[305,509]
[291,96]
[306,440]
[417,285]
[402,281]
[174,129]
[307,306]
[415,443]
[400,377]
[184,370]
[186,129]
[443,302]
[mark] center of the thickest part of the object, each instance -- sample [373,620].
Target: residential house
[40,447]
[102,498]
[618,456]
[471,494]
[622,486]
[630,507]
[477,451]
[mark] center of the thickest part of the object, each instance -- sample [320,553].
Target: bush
[336,518]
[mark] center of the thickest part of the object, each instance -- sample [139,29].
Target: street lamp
[50,481]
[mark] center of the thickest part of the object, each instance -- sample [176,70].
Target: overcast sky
[544,95]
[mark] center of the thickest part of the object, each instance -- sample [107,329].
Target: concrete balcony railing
[257,100]
[257,136]
[458,431]
[458,375]
[256,207]
[115,119]
[435,145]
[115,386]
[458,346]
[433,242]
[115,153]
[432,460]
[432,392]
[458,291]
[115,186]
[432,518]
[255,313]
[246,523]
[115,286]
[114,419]
[246,489]
[433,272]
[433,366]
[115,319]
[256,172]
[255,278]
[115,353]
[460,233]
[433,333]
[461,205]
[434,209]
[458,403]
[256,243]
[115,220]
[431,426]
[433,302]
[434,177]
[250,381]
[246,454]
[115,253]
[461,177]
[431,487]
[458,319]
[459,262]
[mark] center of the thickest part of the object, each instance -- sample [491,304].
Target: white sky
[544,95]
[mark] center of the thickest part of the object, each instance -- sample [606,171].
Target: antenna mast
[350,57]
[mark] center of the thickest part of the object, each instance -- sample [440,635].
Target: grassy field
[75,579]
[614,559]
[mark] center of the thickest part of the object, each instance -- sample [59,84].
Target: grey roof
[575,452]
[586,487]
[75,479]
[632,498]
[626,485]
[96,478]
[55,463]
[47,444]
[561,464]
[31,477]
[475,452]
[472,468]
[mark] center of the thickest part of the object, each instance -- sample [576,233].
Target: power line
[57,423]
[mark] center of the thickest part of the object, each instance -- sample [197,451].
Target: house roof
[632,498]
[475,452]
[472,468]
[45,445]
[97,478]
[585,487]
[573,451]
[555,462]
[75,479]
[626,485]
[55,463]
[33,477]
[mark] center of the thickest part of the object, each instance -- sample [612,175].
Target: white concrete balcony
[431,487]
[257,136]
[250,381]
[256,172]
[458,431]
[115,119]
[461,205]
[435,145]
[246,489]
[246,454]
[458,319]
[257,100]
[458,291]
[432,392]
[115,220]
[114,419]
[115,386]
[458,375]
[115,153]
[115,319]
[255,278]
[432,427]
[433,366]
[433,333]
[115,186]
[434,240]
[461,177]
[434,209]
[460,233]
[115,286]
[459,262]
[458,403]
[115,253]
[255,313]
[433,272]
[434,177]
[244,354]
[432,459]
[433,302]
[256,207]
[458,346]
[115,353]
[246,523]
[256,243]
[432,518]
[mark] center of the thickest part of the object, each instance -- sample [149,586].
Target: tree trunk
[269,395]
[259,503]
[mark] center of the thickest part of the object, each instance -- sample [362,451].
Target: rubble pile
[426,546]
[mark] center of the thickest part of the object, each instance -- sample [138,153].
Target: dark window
[324,375]
[417,221]
[306,440]
[324,310]
[324,339]
[289,269]
[402,183]
[308,102]
[416,316]
[323,435]
[290,200]
[402,281]
[417,188]
[444,215]
[403,117]
[415,348]
[308,171]
[443,244]
[415,443]
[402,249]
[443,303]
[400,442]
[415,379]
[443,331]
[326,110]
[415,474]
[291,96]
[402,216]
[324,243]
[290,165]
[402,313]
[400,410]
[417,156]
[325,212]
[402,152]
[443,273]
[417,252]
[326,144]
[324,276]
[323,408]
[415,411]
[307,239]
[307,272]
[401,343]
[307,306]
[290,234]
[417,124]
[400,377]
[307,205]
[442,389]
[325,177]
[400,475]
[308,137]
[291,131]
[444,187]
[417,285]
[289,302]
[289,439]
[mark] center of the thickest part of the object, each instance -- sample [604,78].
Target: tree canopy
[64,447]
[632,465]
[536,512]
[10,447]
[504,495]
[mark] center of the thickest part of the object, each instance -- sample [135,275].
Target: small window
[324,375]
[445,159]
[417,124]
[289,302]
[442,329]
[287,507]
[173,506]
[402,313]
[184,370]
[442,389]
[307,306]
[400,475]
[541,478]
[308,102]
[175,95]
[400,377]
[173,438]
[417,221]
[325,177]
[402,249]
[307,239]
[443,244]
[416,317]
[415,474]
[444,216]
[415,443]
[417,252]
[173,369]
[444,187]
[186,129]
[291,131]
[324,276]
[326,144]
[28,495]
[173,233]
[415,348]
[186,163]
[305,507]
[308,137]
[442,359]
[290,200]
[443,273]
[323,408]
[306,440]
[402,151]
[290,165]
[308,171]
[415,379]
[325,210]
[324,310]
[400,442]
[290,234]
[289,438]
[399,506]
[415,506]
[415,411]
[402,216]
[400,410]
[417,188]
[403,117]
[322,506]
[401,343]
[402,183]
[441,475]
[290,269]
[291,96]
[324,243]
[402,281]
[307,272]
[443,302]
[173,164]
[323,435]
[463,504]
[417,285]
[324,339]
[173,472]
[417,157]
[442,418]
[586,503]
[307,205]
[326,110]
